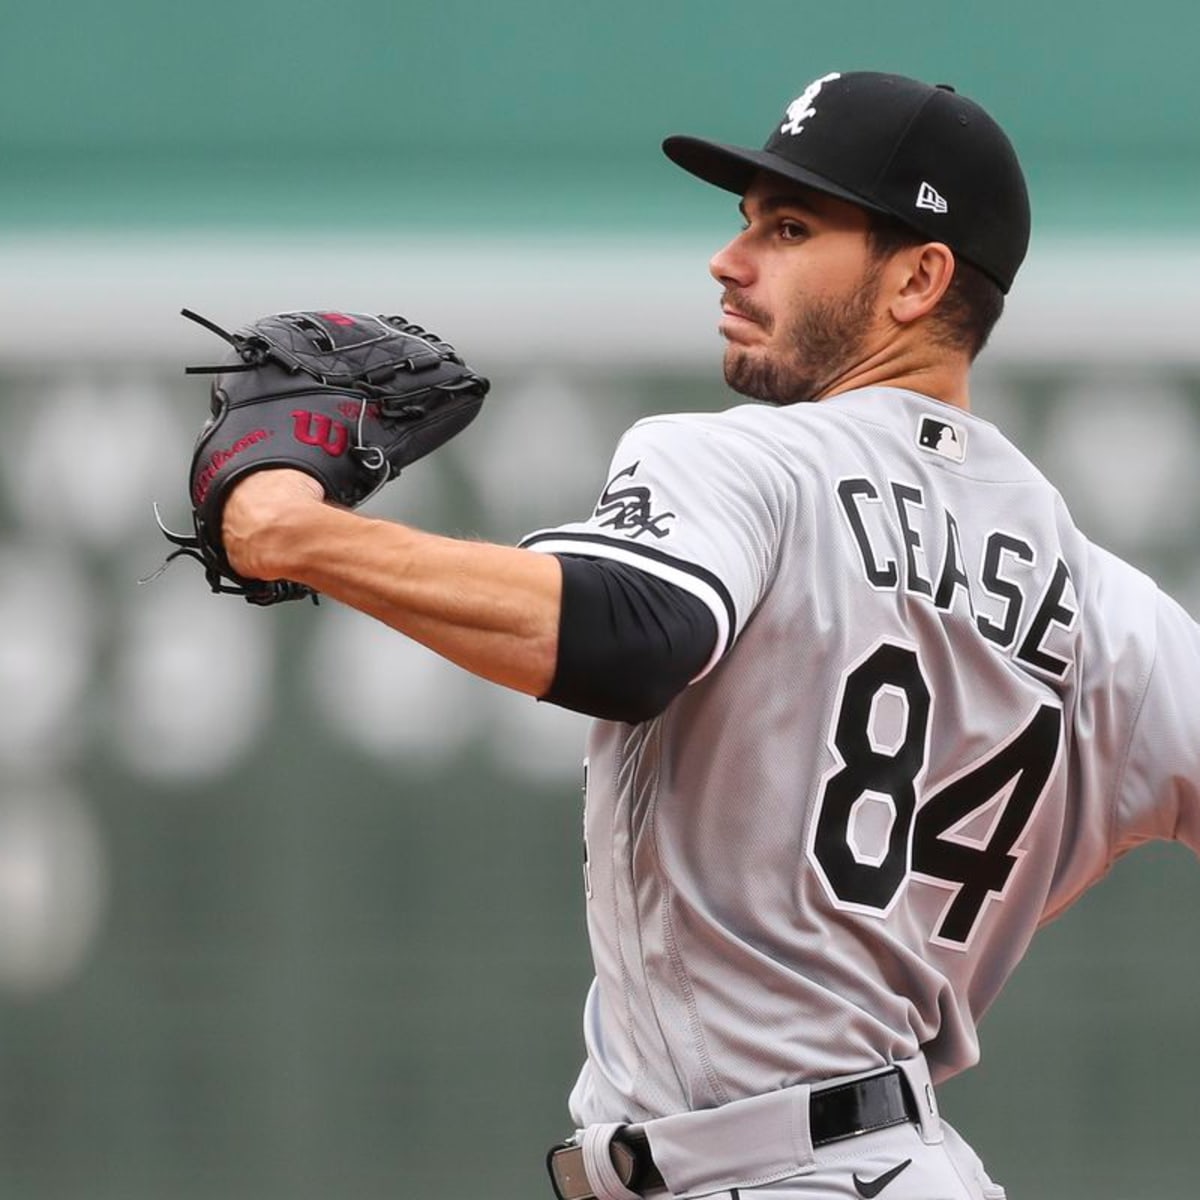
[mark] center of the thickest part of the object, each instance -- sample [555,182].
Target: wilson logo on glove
[219,458]
[319,429]
[356,397]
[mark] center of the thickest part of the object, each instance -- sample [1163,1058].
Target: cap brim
[734,167]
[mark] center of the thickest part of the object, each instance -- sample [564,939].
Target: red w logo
[318,429]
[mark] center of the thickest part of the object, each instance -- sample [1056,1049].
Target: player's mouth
[739,321]
[738,327]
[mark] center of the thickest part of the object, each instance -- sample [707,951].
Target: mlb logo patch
[943,437]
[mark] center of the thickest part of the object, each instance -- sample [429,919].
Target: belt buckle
[568,1175]
[564,1162]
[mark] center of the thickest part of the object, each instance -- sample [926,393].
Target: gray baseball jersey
[935,715]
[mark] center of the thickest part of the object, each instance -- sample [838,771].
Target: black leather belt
[835,1113]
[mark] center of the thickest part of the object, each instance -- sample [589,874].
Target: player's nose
[731,266]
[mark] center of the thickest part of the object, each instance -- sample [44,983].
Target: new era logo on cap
[929,197]
[943,438]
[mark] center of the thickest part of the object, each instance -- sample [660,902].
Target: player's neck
[940,376]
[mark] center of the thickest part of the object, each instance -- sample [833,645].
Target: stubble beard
[823,340]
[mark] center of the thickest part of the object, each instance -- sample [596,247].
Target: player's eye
[792,231]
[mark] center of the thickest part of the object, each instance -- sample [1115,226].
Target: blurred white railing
[603,300]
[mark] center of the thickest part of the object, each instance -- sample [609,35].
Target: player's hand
[259,513]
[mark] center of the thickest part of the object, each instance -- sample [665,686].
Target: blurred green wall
[289,909]
[445,113]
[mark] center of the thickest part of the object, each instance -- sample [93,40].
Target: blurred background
[289,908]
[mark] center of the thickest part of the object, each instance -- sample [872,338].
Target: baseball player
[869,707]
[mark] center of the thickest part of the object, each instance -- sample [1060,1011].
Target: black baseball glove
[352,399]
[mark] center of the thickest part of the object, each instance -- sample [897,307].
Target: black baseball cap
[921,153]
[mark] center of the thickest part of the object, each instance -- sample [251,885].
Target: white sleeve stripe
[695,580]
[583,540]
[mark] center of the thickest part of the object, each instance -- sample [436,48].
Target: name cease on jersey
[1006,580]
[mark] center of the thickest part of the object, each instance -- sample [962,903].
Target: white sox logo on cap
[801,108]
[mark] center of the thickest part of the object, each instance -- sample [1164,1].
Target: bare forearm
[493,610]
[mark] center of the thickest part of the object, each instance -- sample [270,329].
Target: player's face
[801,291]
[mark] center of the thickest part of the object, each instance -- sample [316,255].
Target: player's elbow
[628,642]
[617,692]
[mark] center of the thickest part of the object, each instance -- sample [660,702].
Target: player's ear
[924,273]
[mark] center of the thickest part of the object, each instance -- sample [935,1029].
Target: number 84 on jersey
[870,835]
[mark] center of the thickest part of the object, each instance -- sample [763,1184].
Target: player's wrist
[264,521]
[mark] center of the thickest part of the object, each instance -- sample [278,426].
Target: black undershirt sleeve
[628,642]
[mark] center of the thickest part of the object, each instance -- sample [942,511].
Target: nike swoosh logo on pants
[867,1188]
